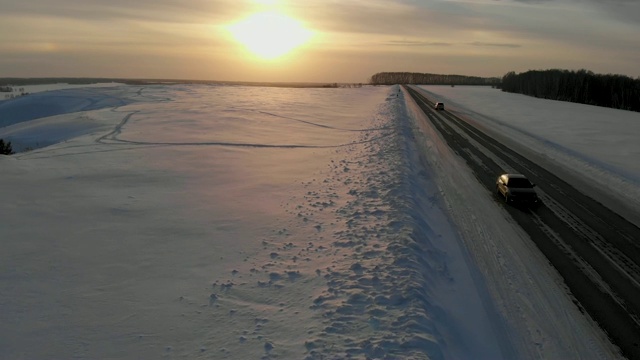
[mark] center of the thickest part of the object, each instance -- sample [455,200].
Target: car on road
[516,188]
[439,106]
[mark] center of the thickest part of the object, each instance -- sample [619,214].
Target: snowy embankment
[239,222]
[42,118]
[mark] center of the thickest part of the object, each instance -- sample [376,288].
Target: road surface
[594,249]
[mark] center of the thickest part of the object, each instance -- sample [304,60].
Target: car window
[519,183]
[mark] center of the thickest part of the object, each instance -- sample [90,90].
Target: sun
[270,35]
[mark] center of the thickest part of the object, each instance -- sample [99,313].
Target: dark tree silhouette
[392,78]
[582,86]
[5,148]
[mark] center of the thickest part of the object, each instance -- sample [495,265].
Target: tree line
[582,86]
[7,83]
[392,78]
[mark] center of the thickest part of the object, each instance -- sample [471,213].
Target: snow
[245,222]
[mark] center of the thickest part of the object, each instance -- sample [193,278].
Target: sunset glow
[315,41]
[270,35]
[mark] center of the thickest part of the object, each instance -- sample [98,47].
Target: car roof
[515,176]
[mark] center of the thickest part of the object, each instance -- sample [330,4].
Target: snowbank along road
[593,248]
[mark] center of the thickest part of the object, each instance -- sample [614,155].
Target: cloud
[532,1]
[416,43]
[478,43]
[147,10]
[410,43]
[622,10]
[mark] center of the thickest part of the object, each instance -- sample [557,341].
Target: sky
[314,40]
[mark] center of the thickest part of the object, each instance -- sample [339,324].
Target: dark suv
[516,188]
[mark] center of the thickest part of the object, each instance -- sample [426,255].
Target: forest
[392,78]
[582,86]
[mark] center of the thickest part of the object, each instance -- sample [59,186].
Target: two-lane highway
[595,250]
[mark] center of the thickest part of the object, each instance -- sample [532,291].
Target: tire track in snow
[113,137]
[316,124]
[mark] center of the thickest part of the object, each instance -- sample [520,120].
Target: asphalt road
[595,250]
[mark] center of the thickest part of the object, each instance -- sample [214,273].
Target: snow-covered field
[246,222]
